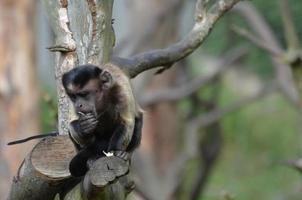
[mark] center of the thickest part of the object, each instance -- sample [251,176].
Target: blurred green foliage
[259,137]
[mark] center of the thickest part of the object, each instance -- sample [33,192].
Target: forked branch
[204,22]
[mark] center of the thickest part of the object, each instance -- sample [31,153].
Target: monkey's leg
[78,165]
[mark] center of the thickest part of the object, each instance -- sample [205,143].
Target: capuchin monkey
[109,120]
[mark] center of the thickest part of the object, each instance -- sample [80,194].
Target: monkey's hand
[122,154]
[87,124]
[81,130]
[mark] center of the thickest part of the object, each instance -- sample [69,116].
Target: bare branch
[260,26]
[210,147]
[215,115]
[288,24]
[174,94]
[255,40]
[172,177]
[204,22]
[193,125]
[296,164]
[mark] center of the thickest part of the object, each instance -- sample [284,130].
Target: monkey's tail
[53,133]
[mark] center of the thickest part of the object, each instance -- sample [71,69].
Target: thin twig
[213,116]
[288,24]
[255,40]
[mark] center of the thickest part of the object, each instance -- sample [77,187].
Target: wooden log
[44,175]
[44,172]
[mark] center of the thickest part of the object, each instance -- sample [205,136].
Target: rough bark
[83,34]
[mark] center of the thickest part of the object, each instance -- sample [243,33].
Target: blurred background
[225,123]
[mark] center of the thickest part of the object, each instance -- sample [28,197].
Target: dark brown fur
[109,118]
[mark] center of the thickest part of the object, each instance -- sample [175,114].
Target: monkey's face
[93,97]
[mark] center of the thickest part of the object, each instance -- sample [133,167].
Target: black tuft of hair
[80,75]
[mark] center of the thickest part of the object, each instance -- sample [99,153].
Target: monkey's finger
[88,123]
[90,126]
[87,117]
[88,129]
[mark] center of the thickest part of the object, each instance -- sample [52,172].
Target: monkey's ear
[106,79]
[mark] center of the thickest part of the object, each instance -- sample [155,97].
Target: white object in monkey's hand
[108,154]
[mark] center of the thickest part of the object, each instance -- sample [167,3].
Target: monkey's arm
[124,141]
[137,133]
[119,139]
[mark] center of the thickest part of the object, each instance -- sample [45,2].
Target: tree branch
[204,22]
[213,116]
[289,27]
[174,94]
[255,40]
[260,26]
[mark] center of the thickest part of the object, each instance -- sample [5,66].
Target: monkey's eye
[83,94]
[72,97]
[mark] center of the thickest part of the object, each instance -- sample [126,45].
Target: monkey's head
[89,88]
